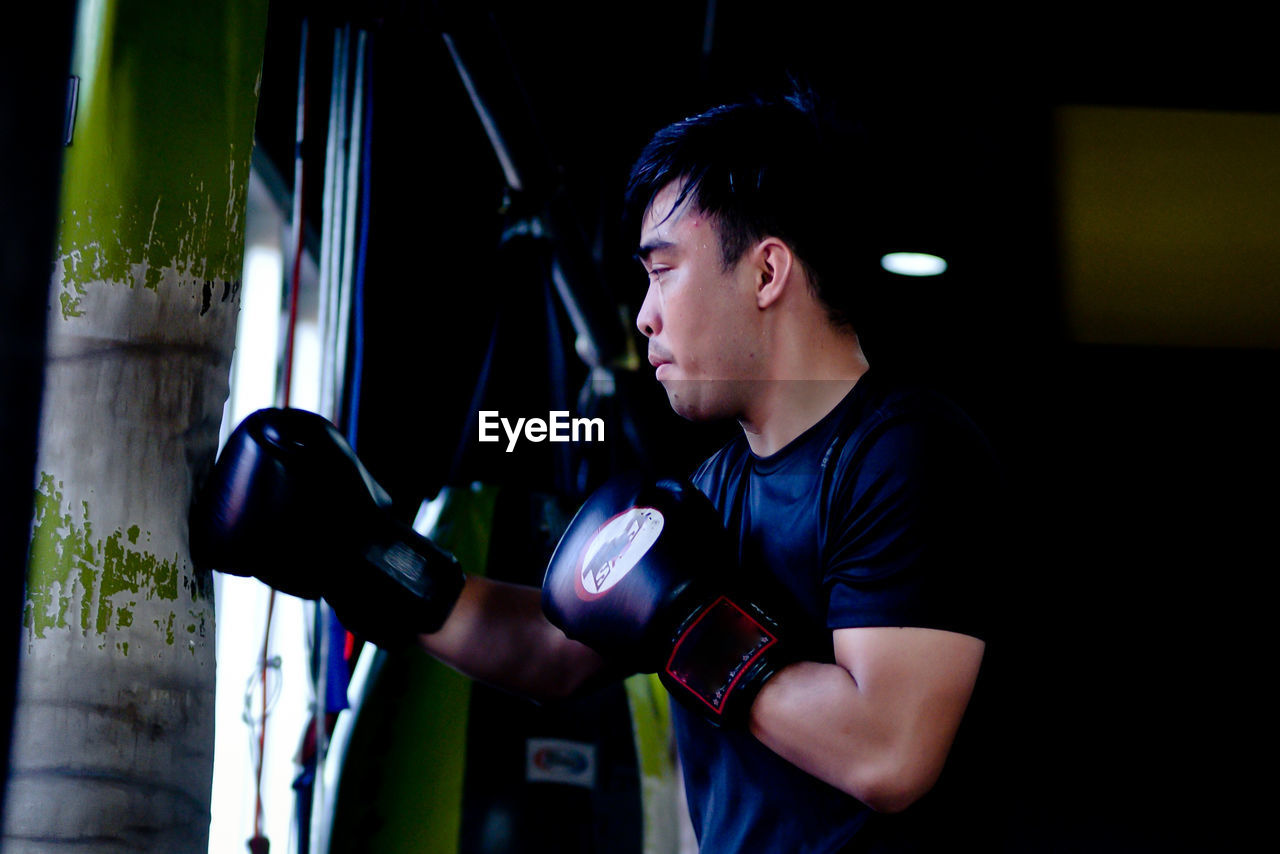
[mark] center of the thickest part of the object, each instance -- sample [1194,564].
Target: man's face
[701,319]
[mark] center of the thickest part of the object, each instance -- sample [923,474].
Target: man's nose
[648,320]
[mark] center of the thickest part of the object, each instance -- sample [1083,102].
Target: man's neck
[803,388]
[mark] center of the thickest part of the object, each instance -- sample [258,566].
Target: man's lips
[661,363]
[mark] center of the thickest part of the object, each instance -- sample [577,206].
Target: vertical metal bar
[299,215]
[352,204]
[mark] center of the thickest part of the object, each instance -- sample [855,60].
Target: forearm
[497,634]
[883,734]
[816,717]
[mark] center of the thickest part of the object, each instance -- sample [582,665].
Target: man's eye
[656,272]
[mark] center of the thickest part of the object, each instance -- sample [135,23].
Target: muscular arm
[878,723]
[496,633]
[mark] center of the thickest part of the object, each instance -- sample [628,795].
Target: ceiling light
[913,264]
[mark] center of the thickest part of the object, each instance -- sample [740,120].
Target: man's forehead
[664,212]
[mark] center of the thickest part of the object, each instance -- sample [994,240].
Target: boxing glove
[645,575]
[289,503]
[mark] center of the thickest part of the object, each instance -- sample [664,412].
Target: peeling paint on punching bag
[141,207]
[93,584]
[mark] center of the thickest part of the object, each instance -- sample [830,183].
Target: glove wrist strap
[411,590]
[721,657]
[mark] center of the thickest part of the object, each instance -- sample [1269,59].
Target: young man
[873,507]
[867,512]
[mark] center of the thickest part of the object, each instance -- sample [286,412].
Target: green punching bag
[113,732]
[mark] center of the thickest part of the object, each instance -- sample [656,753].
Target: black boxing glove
[289,503]
[645,575]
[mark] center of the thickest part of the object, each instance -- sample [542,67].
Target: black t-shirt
[883,513]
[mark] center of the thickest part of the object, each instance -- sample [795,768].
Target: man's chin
[698,400]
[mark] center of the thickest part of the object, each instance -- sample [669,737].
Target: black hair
[788,167]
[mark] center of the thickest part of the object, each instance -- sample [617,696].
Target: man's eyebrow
[647,249]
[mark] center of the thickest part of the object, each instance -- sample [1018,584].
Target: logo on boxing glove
[614,550]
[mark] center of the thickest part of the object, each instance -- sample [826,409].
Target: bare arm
[878,723]
[497,634]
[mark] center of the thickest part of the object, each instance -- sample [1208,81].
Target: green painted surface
[651,721]
[106,574]
[654,738]
[157,174]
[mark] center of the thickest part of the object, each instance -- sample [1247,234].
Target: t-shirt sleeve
[911,537]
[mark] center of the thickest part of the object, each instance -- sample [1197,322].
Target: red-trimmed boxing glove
[645,575]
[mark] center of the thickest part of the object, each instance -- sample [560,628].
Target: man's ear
[775,268]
